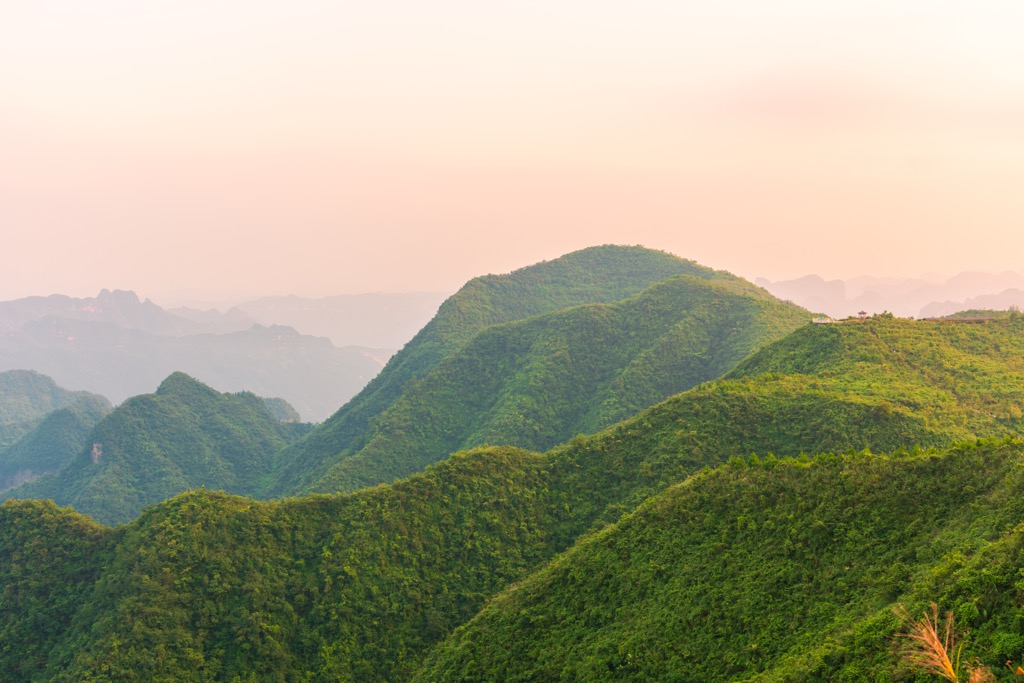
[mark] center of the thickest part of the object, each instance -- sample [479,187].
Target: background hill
[25,398]
[51,443]
[119,346]
[156,445]
[599,275]
[379,321]
[910,297]
[119,307]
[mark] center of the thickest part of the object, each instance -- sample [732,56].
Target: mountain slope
[596,275]
[770,571]
[53,442]
[156,445]
[537,382]
[956,376]
[25,398]
[362,586]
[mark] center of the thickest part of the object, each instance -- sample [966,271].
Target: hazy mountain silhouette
[118,346]
[381,320]
[905,297]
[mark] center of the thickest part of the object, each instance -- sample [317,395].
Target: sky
[218,149]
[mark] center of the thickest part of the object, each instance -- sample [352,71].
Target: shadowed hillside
[57,438]
[26,397]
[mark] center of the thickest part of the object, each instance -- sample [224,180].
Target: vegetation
[533,357]
[801,557]
[58,438]
[595,275]
[769,570]
[535,383]
[616,556]
[26,397]
[154,446]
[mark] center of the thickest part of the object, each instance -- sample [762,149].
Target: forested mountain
[156,445]
[770,570]
[54,441]
[537,382]
[535,356]
[781,570]
[26,397]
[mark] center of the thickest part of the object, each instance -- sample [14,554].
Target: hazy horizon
[227,300]
[190,151]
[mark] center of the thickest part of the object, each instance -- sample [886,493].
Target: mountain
[811,552]
[26,397]
[118,307]
[54,441]
[154,446]
[508,358]
[537,382]
[1007,299]
[769,571]
[309,372]
[912,297]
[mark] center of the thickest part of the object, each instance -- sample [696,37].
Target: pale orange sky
[202,149]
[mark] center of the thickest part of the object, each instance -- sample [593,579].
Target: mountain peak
[179,382]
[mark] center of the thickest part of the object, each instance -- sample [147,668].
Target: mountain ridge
[590,276]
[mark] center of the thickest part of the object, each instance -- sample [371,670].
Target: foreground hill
[473,363]
[363,586]
[769,571]
[360,587]
[153,446]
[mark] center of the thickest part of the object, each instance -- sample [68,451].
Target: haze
[214,150]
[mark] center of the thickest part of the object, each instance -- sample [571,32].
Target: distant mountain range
[905,297]
[118,346]
[385,321]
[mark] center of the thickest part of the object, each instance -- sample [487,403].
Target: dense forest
[748,518]
[156,445]
[42,425]
[770,570]
[536,356]
[27,397]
